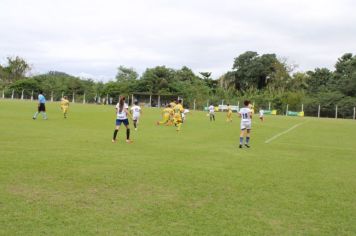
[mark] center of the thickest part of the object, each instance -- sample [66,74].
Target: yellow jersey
[172,104]
[64,103]
[178,109]
[167,111]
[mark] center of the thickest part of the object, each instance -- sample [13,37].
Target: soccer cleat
[113,141]
[248,146]
[135,129]
[129,141]
[240,146]
[33,118]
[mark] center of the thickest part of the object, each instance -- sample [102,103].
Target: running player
[261,112]
[64,106]
[167,113]
[178,110]
[211,112]
[246,115]
[41,108]
[122,114]
[229,113]
[173,103]
[186,111]
[136,113]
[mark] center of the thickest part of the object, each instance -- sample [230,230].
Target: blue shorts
[125,121]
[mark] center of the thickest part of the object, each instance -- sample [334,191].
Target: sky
[92,38]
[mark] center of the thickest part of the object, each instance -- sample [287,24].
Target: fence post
[302,107]
[3,93]
[319,111]
[32,95]
[107,99]
[269,106]
[52,96]
[194,105]
[73,101]
[22,94]
[336,112]
[159,101]
[354,116]
[12,95]
[238,105]
[84,99]
[132,98]
[150,100]
[287,110]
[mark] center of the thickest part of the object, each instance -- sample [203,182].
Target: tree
[126,74]
[15,69]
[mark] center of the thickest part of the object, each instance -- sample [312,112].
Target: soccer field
[65,177]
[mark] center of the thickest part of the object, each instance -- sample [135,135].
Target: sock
[44,115]
[241,140]
[127,134]
[115,134]
[247,140]
[35,115]
[178,126]
[135,123]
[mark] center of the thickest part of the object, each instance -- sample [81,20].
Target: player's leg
[37,112]
[43,111]
[248,133]
[117,127]
[126,123]
[242,134]
[214,117]
[178,124]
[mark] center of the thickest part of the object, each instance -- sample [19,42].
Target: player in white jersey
[211,109]
[186,111]
[136,113]
[122,115]
[246,115]
[261,112]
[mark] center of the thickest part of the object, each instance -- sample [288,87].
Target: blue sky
[92,38]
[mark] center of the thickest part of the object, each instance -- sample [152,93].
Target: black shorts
[42,107]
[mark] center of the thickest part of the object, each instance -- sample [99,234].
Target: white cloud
[95,37]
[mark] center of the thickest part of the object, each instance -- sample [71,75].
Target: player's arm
[128,113]
[250,114]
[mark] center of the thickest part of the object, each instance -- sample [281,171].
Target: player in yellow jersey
[64,106]
[178,110]
[229,114]
[172,104]
[167,113]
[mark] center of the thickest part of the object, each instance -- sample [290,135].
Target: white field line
[284,132]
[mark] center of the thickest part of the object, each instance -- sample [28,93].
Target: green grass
[65,177]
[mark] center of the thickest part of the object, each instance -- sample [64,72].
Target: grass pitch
[65,177]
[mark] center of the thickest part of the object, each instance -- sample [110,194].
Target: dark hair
[41,91]
[121,103]
[136,102]
[179,101]
[246,102]
[228,104]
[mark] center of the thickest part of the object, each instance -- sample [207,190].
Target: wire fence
[161,100]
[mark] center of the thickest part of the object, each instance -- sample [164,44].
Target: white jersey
[211,109]
[121,115]
[136,111]
[261,113]
[245,113]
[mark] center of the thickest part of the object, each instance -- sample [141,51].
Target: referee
[41,106]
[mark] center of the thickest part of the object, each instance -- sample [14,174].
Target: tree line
[262,78]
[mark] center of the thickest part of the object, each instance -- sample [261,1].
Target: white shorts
[245,125]
[135,118]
